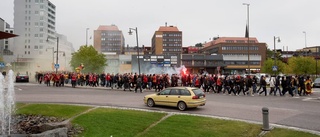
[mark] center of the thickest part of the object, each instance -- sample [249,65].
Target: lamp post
[305,38]
[52,53]
[317,60]
[57,59]
[65,58]
[87,36]
[275,51]
[247,4]
[130,33]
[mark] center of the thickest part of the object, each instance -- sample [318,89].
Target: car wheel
[182,106]
[150,102]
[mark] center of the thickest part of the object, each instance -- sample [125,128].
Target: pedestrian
[74,80]
[249,83]
[277,86]
[263,84]
[272,83]
[308,84]
[138,84]
[302,86]
[260,84]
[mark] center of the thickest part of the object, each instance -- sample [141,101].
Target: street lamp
[57,59]
[305,38]
[317,60]
[87,36]
[246,4]
[275,51]
[65,58]
[52,54]
[130,33]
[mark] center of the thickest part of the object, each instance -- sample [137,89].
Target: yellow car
[181,97]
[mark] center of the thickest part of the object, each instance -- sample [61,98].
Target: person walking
[249,83]
[138,84]
[74,80]
[302,86]
[272,82]
[260,84]
[277,86]
[263,84]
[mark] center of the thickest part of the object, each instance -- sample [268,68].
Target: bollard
[265,115]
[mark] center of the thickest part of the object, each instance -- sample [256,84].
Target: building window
[29,52]
[36,47]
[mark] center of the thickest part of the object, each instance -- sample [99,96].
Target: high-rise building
[34,22]
[35,25]
[167,40]
[108,38]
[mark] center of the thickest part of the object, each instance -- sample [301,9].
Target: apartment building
[235,53]
[109,39]
[167,40]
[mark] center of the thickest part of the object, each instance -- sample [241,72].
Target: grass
[280,132]
[62,111]
[193,126]
[118,123]
[129,123]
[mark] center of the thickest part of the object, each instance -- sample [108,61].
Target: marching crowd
[210,83]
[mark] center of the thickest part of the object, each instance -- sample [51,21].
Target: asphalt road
[301,112]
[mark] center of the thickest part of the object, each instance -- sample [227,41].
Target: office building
[235,53]
[108,38]
[167,40]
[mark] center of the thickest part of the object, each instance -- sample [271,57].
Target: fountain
[7,102]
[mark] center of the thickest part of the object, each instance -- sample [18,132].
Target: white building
[35,23]
[6,45]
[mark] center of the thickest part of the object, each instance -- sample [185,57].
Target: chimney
[166,24]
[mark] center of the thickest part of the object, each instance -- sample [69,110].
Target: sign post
[274,68]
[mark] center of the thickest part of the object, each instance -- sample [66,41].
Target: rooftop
[168,28]
[108,27]
[231,40]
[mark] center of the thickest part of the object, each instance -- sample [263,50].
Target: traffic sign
[274,68]
[56,66]
[2,65]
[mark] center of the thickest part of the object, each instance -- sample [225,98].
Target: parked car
[316,83]
[181,97]
[22,78]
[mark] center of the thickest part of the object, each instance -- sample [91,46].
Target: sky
[199,21]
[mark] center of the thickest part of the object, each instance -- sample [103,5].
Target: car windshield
[198,92]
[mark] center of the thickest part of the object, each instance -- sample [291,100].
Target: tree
[198,45]
[302,65]
[92,60]
[270,54]
[267,66]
